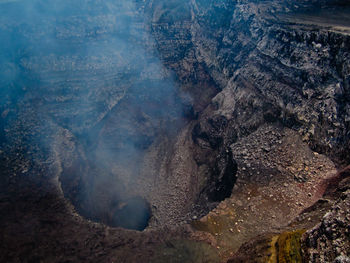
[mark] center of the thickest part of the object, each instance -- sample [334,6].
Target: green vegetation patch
[287,247]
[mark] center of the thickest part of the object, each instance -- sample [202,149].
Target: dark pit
[133,213]
[126,200]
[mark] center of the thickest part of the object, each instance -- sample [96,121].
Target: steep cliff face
[150,113]
[291,73]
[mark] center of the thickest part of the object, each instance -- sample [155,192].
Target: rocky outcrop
[318,234]
[329,240]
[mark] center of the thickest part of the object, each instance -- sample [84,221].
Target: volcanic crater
[174,131]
